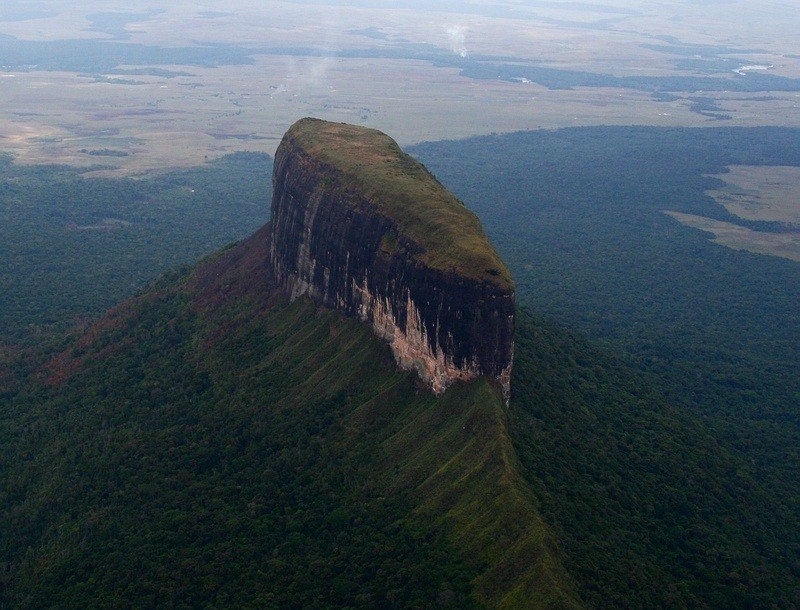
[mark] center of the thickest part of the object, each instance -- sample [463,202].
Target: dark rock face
[330,242]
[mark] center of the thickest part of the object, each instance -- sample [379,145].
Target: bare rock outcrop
[361,227]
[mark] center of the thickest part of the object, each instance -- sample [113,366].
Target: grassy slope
[209,443]
[477,494]
[405,191]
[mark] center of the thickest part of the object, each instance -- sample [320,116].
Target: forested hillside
[207,443]
[650,508]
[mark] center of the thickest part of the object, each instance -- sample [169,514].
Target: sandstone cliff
[361,227]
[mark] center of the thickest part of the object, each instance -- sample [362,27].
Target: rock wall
[329,241]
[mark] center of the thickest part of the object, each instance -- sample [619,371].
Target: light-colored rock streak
[305,263]
[411,345]
[412,348]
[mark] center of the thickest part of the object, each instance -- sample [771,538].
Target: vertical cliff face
[363,228]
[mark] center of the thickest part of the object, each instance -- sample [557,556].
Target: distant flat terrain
[769,193]
[785,245]
[177,85]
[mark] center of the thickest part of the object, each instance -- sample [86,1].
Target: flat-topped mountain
[210,443]
[361,227]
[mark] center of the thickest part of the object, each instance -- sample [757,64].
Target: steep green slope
[208,443]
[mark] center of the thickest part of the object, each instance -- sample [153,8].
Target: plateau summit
[363,228]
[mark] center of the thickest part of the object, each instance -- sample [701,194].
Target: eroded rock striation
[361,227]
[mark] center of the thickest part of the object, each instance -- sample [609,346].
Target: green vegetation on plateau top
[406,192]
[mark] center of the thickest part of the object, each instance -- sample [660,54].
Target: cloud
[306,73]
[458,39]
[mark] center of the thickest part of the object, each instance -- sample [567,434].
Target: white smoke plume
[458,39]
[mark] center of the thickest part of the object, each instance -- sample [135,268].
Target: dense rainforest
[578,215]
[195,461]
[75,244]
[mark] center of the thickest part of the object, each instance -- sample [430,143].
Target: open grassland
[769,193]
[180,121]
[785,245]
[762,193]
[570,26]
[173,86]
